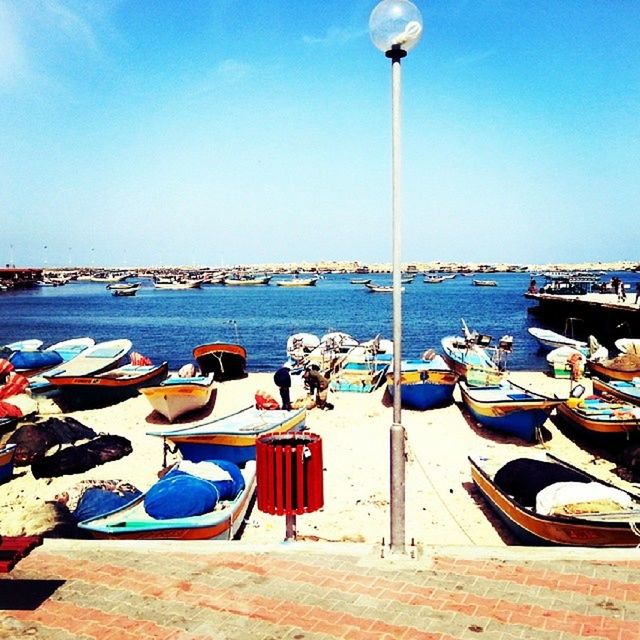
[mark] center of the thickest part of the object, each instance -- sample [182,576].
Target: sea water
[167,325]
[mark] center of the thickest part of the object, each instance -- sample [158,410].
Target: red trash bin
[289,473]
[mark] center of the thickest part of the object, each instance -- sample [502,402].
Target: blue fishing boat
[232,437]
[132,522]
[32,362]
[508,408]
[424,383]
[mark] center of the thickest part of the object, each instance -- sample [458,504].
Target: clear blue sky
[216,131]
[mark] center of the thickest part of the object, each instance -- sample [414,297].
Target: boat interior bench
[14,549]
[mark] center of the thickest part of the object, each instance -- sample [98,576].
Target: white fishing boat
[549,340]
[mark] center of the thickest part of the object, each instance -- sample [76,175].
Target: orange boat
[578,528]
[226,361]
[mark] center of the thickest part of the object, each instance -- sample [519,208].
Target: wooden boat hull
[621,389]
[6,461]
[424,388]
[519,415]
[225,361]
[598,425]
[535,529]
[116,384]
[232,437]
[606,373]
[177,397]
[132,523]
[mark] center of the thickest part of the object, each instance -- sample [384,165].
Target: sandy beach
[442,507]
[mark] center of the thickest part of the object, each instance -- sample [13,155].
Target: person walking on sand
[622,296]
[282,378]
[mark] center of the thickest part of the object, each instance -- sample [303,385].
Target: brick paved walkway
[72,590]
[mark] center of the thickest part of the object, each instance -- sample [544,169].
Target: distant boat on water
[298,282]
[484,283]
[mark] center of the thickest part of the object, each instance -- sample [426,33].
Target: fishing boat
[600,417]
[329,353]
[246,281]
[299,346]
[549,340]
[508,408]
[177,396]
[628,345]
[433,279]
[624,367]
[232,437]
[30,363]
[109,386]
[91,361]
[600,522]
[22,345]
[424,384]
[6,461]
[109,277]
[132,522]
[484,283]
[176,284]
[379,288]
[125,289]
[472,356]
[360,281]
[363,369]
[226,361]
[625,390]
[298,282]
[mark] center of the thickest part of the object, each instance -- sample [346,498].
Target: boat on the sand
[177,396]
[232,437]
[550,502]
[132,522]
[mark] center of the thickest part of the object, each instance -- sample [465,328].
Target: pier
[600,314]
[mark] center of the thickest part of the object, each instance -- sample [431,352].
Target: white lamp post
[395,27]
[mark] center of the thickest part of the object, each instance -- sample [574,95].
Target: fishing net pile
[624,362]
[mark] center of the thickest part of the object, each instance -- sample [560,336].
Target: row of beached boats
[213,451]
[593,513]
[542,499]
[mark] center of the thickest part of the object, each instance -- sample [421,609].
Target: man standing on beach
[282,378]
